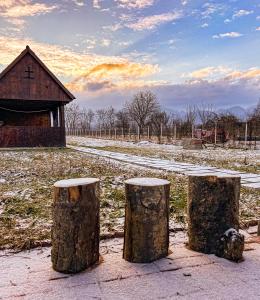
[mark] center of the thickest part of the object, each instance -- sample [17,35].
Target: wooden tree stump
[146,219]
[213,208]
[75,231]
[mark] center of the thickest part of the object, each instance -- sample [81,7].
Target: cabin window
[29,73]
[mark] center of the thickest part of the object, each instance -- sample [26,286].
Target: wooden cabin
[32,102]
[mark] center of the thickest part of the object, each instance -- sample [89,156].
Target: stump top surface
[75,182]
[147,181]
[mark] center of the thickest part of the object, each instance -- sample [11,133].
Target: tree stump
[146,236]
[213,208]
[75,231]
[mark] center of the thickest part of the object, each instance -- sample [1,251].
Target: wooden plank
[32,137]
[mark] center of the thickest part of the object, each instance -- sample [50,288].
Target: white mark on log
[147,181]
[75,182]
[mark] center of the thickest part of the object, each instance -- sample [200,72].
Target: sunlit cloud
[209,71]
[227,35]
[224,73]
[130,4]
[112,75]
[23,8]
[14,11]
[154,21]
[73,65]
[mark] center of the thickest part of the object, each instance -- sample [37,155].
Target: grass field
[26,192]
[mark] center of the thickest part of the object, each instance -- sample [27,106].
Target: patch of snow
[75,182]
[147,181]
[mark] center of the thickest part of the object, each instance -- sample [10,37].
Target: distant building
[32,104]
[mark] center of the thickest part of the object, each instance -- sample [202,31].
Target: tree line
[143,112]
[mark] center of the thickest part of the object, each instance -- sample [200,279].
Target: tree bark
[146,219]
[213,208]
[75,231]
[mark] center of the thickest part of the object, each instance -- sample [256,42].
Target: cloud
[257,29]
[225,73]
[242,12]
[14,11]
[113,27]
[226,21]
[76,67]
[251,74]
[172,97]
[209,71]
[118,75]
[154,21]
[209,9]
[79,2]
[227,35]
[204,25]
[106,42]
[135,4]
[23,8]
[96,4]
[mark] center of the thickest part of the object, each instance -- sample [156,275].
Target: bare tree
[189,120]
[122,120]
[141,108]
[207,114]
[72,115]
[110,118]
[160,121]
[86,118]
[100,118]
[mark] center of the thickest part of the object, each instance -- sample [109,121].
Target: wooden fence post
[75,231]
[213,210]
[146,219]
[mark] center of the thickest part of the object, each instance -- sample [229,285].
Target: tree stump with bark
[213,208]
[75,231]
[146,236]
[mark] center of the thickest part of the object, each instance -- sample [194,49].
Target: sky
[105,51]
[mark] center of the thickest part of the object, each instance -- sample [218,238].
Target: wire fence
[221,135]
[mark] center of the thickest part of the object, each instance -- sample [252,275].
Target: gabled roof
[29,51]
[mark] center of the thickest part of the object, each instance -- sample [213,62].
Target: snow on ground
[237,156]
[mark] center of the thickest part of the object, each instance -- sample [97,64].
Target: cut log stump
[75,231]
[213,208]
[146,219]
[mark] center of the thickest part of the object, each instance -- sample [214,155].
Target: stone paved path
[184,274]
[247,179]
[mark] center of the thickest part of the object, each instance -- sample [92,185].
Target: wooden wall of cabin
[36,84]
[22,119]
